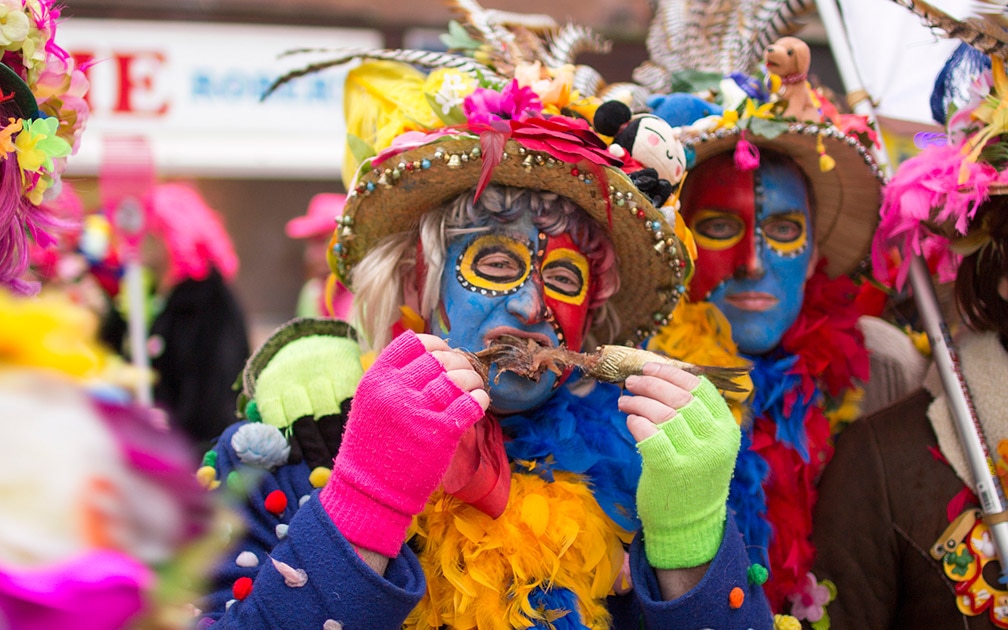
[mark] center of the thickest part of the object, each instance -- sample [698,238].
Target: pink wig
[192,231]
[19,220]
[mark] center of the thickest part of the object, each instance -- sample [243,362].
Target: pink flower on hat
[514,102]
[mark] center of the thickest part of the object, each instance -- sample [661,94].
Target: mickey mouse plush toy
[650,149]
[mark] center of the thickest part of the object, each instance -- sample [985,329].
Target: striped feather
[985,32]
[570,41]
[422,58]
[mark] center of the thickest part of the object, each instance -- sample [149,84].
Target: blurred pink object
[320,220]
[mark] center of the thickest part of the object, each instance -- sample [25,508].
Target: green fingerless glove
[683,488]
[307,368]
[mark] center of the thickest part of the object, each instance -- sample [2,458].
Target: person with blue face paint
[754,245]
[589,505]
[778,223]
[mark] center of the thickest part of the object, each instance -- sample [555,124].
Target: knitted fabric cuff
[684,486]
[405,423]
[363,521]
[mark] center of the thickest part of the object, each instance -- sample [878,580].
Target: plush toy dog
[789,58]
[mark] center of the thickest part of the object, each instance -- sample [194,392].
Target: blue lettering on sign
[235,85]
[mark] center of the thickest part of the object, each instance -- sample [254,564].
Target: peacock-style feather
[721,36]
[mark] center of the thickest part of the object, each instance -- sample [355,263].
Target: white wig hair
[378,279]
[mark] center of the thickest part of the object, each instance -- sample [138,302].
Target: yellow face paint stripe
[573,259]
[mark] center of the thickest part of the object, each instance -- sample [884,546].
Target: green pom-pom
[757,574]
[252,412]
[210,458]
[235,483]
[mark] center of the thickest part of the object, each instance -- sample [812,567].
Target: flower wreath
[42,80]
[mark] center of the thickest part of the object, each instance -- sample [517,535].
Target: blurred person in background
[197,339]
[322,295]
[79,262]
[97,501]
[103,525]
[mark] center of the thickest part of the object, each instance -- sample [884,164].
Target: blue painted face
[754,245]
[513,280]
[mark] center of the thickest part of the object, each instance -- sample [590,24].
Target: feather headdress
[933,197]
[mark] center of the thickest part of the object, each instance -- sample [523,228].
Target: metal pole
[988,487]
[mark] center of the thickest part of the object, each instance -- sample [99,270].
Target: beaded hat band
[846,197]
[392,198]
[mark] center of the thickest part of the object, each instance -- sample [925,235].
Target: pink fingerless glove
[405,421]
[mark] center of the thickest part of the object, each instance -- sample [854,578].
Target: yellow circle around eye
[514,252]
[573,260]
[789,247]
[711,243]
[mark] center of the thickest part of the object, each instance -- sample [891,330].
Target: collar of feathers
[552,557]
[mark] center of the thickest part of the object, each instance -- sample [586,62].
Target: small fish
[612,364]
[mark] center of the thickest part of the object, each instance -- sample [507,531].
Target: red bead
[276,502]
[242,587]
[575,172]
[641,214]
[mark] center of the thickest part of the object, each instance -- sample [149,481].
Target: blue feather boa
[586,435]
[746,497]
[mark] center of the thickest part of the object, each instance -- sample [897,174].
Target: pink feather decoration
[924,192]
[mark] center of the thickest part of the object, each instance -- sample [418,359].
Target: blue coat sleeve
[339,586]
[708,604]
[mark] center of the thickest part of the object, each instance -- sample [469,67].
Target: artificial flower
[38,144]
[764,111]
[14,24]
[514,102]
[728,120]
[553,85]
[449,88]
[810,602]
[7,136]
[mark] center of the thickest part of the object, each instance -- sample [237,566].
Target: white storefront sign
[193,90]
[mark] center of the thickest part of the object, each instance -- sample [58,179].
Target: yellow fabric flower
[764,111]
[728,120]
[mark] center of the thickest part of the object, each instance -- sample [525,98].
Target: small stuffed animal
[650,142]
[789,58]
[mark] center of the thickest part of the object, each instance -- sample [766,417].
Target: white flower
[451,93]
[14,23]
[261,445]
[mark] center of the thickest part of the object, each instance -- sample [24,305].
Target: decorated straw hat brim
[847,198]
[392,198]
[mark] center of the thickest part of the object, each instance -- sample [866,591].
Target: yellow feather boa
[700,334]
[481,571]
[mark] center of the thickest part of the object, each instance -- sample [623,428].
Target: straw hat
[846,197]
[392,196]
